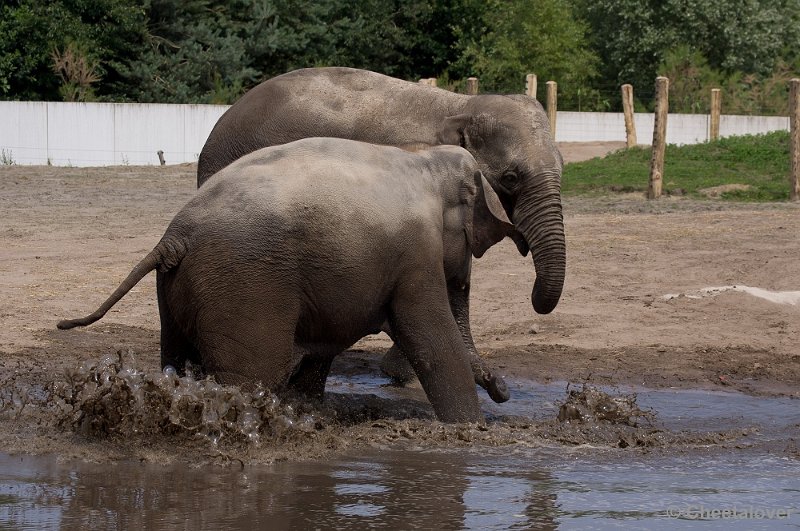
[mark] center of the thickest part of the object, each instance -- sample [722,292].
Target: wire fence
[765,99]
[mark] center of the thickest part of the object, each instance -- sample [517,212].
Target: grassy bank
[745,168]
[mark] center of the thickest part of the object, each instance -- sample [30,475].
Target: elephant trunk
[538,217]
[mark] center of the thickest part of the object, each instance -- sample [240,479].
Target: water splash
[590,404]
[158,415]
[14,396]
[114,397]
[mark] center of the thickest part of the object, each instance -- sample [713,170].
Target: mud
[384,457]
[589,404]
[135,413]
[70,235]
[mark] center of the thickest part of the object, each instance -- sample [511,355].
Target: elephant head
[509,136]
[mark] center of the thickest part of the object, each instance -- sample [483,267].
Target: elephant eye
[509,180]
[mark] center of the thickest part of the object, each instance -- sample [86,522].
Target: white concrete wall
[98,134]
[23,131]
[730,125]
[681,128]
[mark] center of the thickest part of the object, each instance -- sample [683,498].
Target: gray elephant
[291,254]
[509,136]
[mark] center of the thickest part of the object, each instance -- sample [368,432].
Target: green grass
[760,161]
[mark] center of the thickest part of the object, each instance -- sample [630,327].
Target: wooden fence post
[659,138]
[716,106]
[530,85]
[552,104]
[627,107]
[472,86]
[794,127]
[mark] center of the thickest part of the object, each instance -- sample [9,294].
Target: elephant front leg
[426,332]
[395,365]
[495,385]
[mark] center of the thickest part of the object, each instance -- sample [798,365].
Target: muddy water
[752,479]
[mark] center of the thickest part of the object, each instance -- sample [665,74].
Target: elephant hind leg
[254,343]
[249,354]
[176,348]
[312,372]
[178,352]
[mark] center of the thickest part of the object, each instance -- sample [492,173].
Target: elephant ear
[490,224]
[451,132]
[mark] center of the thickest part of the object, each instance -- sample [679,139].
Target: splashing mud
[14,396]
[114,397]
[119,411]
[593,405]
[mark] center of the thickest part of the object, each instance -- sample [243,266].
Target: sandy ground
[69,235]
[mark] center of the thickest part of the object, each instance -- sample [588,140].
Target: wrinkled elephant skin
[308,247]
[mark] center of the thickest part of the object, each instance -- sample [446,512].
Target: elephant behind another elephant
[315,244]
[509,136]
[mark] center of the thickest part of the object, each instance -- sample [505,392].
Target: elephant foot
[496,387]
[395,366]
[494,384]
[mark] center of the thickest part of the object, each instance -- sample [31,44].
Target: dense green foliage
[211,50]
[734,43]
[541,36]
[214,50]
[105,32]
[760,163]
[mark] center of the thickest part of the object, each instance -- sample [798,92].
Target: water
[752,483]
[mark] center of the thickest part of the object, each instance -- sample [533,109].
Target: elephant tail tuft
[166,255]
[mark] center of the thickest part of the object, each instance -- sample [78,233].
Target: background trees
[211,51]
[543,37]
[102,33]
[697,43]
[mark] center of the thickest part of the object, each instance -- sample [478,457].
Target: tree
[633,37]
[692,78]
[534,36]
[406,39]
[76,72]
[213,50]
[194,51]
[100,31]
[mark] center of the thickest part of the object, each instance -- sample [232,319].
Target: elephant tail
[167,254]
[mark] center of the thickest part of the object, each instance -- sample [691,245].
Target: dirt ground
[69,235]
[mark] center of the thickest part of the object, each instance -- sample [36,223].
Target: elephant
[509,136]
[291,254]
